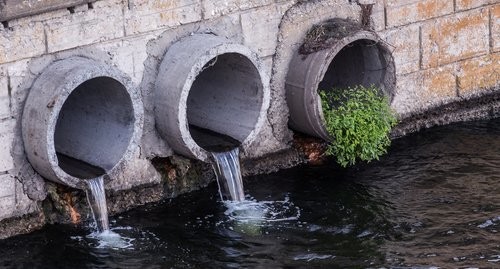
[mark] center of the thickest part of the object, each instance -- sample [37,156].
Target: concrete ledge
[13,9]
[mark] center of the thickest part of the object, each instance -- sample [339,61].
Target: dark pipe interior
[224,102]
[94,128]
[361,62]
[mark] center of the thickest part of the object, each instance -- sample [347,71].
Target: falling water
[96,197]
[227,169]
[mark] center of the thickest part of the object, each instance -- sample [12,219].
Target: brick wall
[444,50]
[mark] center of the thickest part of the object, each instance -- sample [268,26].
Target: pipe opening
[94,128]
[355,58]
[362,62]
[224,102]
[210,95]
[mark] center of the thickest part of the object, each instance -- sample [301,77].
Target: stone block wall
[444,51]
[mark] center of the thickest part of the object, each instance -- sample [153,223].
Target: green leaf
[359,120]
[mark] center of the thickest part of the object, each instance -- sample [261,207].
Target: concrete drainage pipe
[207,88]
[81,120]
[357,59]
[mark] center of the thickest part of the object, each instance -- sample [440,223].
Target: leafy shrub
[359,120]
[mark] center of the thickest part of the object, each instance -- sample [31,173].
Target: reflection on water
[433,201]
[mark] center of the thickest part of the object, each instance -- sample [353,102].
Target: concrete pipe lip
[81,109]
[371,63]
[213,83]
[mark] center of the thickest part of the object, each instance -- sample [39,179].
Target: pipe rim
[180,67]
[196,69]
[82,74]
[324,58]
[332,53]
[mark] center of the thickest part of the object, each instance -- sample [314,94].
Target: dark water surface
[434,200]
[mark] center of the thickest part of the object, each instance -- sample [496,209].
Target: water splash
[262,211]
[248,215]
[252,217]
[120,237]
[96,198]
[111,239]
[227,169]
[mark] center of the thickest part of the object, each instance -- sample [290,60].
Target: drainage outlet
[360,58]
[81,120]
[210,94]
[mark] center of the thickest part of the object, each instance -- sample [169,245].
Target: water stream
[94,178]
[432,202]
[96,197]
[227,169]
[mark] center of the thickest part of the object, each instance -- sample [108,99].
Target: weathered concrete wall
[445,51]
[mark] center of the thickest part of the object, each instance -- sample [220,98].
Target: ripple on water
[432,202]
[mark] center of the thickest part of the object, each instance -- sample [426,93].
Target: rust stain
[312,148]
[495,11]
[168,16]
[441,83]
[427,9]
[465,3]
[447,32]
[450,27]
[405,13]
[172,174]
[453,27]
[74,215]
[163,5]
[168,169]
[480,73]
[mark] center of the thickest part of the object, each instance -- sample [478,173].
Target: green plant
[359,120]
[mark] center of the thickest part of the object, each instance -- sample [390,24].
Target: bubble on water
[485,224]
[495,258]
[312,256]
[77,238]
[313,228]
[489,222]
[364,234]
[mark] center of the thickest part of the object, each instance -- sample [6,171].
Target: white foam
[263,211]
[312,256]
[110,239]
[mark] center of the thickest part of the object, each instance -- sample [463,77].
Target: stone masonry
[445,51]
